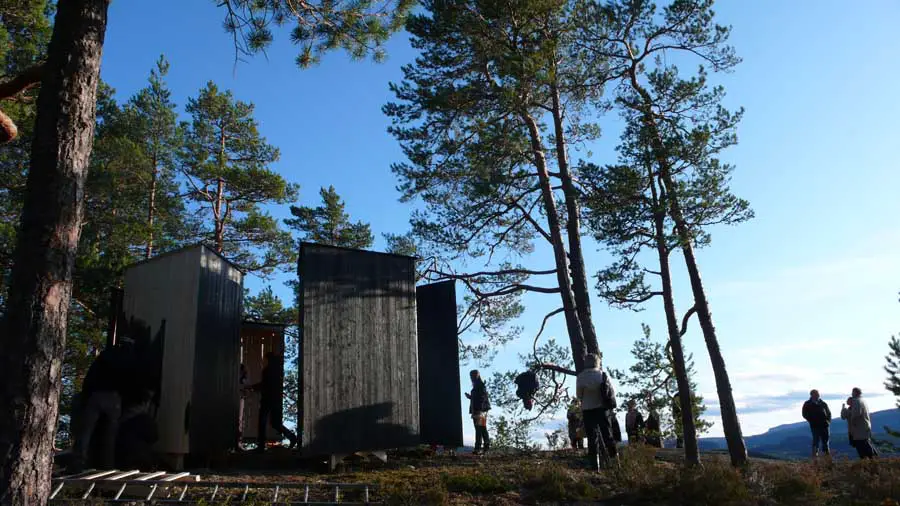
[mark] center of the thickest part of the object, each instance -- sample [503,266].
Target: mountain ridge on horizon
[793,440]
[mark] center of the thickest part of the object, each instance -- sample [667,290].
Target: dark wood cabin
[440,406]
[191,302]
[257,340]
[360,389]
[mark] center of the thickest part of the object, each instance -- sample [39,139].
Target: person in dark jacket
[479,405]
[137,434]
[270,403]
[526,386]
[576,425]
[652,432]
[817,414]
[634,423]
[102,390]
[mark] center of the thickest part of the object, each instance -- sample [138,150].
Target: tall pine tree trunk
[34,333]
[689,431]
[573,231]
[220,220]
[151,210]
[731,425]
[573,325]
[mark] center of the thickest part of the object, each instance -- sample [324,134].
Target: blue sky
[803,296]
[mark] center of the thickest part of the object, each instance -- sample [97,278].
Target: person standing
[856,412]
[270,403]
[594,390]
[818,415]
[242,382]
[479,405]
[634,423]
[101,405]
[652,429]
[576,425]
[137,434]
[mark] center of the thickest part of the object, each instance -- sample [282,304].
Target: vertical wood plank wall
[214,408]
[359,350]
[164,289]
[440,406]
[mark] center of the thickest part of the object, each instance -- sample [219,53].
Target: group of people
[591,415]
[113,421]
[859,425]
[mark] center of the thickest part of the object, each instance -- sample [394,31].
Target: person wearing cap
[818,415]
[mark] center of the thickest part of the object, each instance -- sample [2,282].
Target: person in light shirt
[595,391]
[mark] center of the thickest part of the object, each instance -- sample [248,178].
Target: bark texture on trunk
[220,220]
[34,332]
[573,324]
[691,449]
[151,210]
[731,425]
[573,232]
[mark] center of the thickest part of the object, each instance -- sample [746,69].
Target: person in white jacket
[859,424]
[595,391]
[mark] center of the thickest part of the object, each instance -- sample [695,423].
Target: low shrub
[714,484]
[554,483]
[799,484]
[476,483]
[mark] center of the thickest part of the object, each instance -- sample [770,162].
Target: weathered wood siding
[258,339]
[214,409]
[358,358]
[195,296]
[440,407]
[163,292]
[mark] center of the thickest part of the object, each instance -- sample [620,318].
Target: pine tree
[227,166]
[682,123]
[34,333]
[41,277]
[329,224]
[485,117]
[24,35]
[153,123]
[892,383]
[361,27]
[651,383]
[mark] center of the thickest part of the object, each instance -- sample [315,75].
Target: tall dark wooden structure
[191,300]
[257,340]
[358,361]
[440,409]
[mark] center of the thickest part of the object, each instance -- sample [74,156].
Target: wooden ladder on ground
[135,487]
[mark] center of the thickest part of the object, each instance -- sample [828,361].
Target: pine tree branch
[684,321]
[547,317]
[537,226]
[22,81]
[554,367]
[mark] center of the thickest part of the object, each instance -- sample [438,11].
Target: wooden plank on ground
[124,474]
[151,476]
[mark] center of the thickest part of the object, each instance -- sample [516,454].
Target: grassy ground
[644,477]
